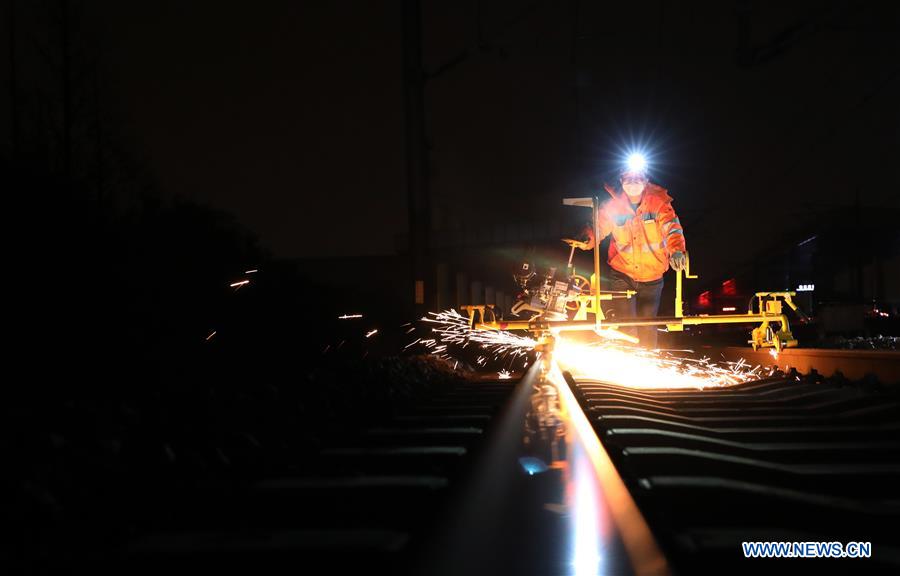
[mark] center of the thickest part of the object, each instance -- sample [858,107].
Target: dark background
[769,122]
[760,117]
[155,151]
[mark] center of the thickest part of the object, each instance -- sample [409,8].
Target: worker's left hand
[677,261]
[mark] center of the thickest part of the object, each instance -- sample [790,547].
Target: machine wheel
[583,285]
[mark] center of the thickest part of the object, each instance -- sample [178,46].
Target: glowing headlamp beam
[636,162]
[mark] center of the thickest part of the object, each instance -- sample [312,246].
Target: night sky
[290,115]
[286,113]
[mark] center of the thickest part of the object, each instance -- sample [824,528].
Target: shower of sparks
[372,333]
[774,353]
[643,368]
[213,333]
[504,374]
[605,361]
[237,285]
[453,330]
[349,316]
[251,271]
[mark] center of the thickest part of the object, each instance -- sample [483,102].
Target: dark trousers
[644,304]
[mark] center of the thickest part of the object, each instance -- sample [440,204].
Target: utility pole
[416,154]
[66,93]
[13,90]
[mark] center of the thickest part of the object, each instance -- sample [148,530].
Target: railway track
[786,458]
[617,480]
[362,504]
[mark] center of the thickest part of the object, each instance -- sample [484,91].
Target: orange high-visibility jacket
[642,241]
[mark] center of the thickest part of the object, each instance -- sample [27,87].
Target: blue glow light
[532,465]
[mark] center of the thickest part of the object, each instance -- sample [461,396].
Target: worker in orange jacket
[647,238]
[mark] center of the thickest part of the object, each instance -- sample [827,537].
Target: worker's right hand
[577,243]
[677,261]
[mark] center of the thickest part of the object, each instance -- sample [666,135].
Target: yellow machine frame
[763,336]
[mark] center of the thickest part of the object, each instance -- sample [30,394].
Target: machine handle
[576,243]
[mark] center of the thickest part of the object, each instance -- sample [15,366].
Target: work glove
[677,261]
